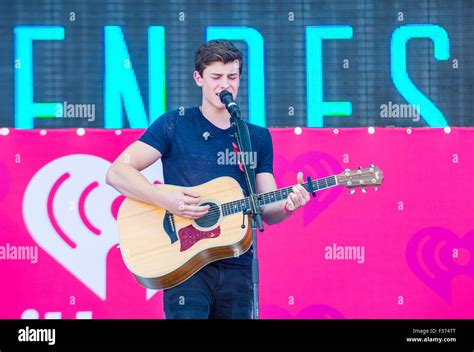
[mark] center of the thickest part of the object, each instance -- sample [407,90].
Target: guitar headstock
[367,177]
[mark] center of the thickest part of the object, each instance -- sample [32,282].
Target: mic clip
[206,135]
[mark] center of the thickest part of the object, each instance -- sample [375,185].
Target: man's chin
[218,104]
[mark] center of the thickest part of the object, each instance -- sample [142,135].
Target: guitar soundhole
[211,218]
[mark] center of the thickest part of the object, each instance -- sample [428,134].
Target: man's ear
[197,78]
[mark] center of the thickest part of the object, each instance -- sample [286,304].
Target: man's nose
[225,83]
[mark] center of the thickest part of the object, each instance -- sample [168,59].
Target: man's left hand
[299,197]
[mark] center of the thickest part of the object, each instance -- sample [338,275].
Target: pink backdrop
[415,236]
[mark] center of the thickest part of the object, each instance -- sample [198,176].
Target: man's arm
[124,175]
[275,213]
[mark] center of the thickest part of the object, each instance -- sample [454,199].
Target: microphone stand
[242,137]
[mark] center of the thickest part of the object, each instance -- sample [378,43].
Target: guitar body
[162,250]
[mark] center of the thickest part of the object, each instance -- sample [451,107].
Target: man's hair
[216,50]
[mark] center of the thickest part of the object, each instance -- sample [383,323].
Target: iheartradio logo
[69,210]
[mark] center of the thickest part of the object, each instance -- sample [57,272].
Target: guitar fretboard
[238,206]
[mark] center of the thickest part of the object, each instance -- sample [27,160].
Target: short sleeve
[160,133]
[265,159]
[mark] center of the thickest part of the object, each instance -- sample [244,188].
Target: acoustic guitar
[162,250]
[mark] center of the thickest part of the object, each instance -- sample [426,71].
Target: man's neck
[218,117]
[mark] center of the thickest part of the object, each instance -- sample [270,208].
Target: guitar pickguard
[188,236]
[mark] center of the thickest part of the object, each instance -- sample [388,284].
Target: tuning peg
[364,190]
[352,191]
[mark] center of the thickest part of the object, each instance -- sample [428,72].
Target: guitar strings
[220,208]
[246,199]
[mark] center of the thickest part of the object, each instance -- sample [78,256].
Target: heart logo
[436,255]
[317,165]
[67,209]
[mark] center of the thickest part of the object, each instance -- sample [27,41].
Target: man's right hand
[183,202]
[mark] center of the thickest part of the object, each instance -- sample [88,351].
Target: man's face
[217,77]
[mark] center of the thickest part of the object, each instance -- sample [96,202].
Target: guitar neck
[278,195]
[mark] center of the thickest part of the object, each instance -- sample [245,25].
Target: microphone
[228,100]
[206,135]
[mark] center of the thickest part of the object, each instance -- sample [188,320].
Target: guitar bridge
[169,227]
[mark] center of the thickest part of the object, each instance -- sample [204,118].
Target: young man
[189,145]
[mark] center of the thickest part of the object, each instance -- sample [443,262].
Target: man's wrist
[159,197]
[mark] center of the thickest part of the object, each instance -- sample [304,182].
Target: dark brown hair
[216,50]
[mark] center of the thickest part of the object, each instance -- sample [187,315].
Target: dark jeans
[214,292]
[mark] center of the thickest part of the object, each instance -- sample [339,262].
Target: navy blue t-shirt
[189,159]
